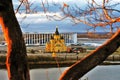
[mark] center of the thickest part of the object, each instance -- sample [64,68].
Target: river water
[111,72]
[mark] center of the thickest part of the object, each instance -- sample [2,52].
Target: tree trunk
[93,59]
[16,61]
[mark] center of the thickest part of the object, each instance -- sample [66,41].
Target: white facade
[42,38]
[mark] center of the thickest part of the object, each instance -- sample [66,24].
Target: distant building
[42,38]
[56,44]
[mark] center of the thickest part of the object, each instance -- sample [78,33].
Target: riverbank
[45,60]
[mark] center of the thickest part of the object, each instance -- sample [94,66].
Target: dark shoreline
[46,61]
[54,65]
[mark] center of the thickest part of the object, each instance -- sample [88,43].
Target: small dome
[56,32]
[52,37]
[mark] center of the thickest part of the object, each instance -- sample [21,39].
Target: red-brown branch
[93,59]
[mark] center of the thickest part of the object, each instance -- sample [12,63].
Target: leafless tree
[16,60]
[95,15]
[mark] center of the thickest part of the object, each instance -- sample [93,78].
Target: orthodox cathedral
[56,44]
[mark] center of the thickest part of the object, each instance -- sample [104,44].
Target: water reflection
[110,72]
[99,73]
[45,74]
[3,74]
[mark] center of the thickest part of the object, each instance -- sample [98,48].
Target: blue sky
[39,22]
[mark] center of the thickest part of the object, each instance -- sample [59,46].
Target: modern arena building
[42,38]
